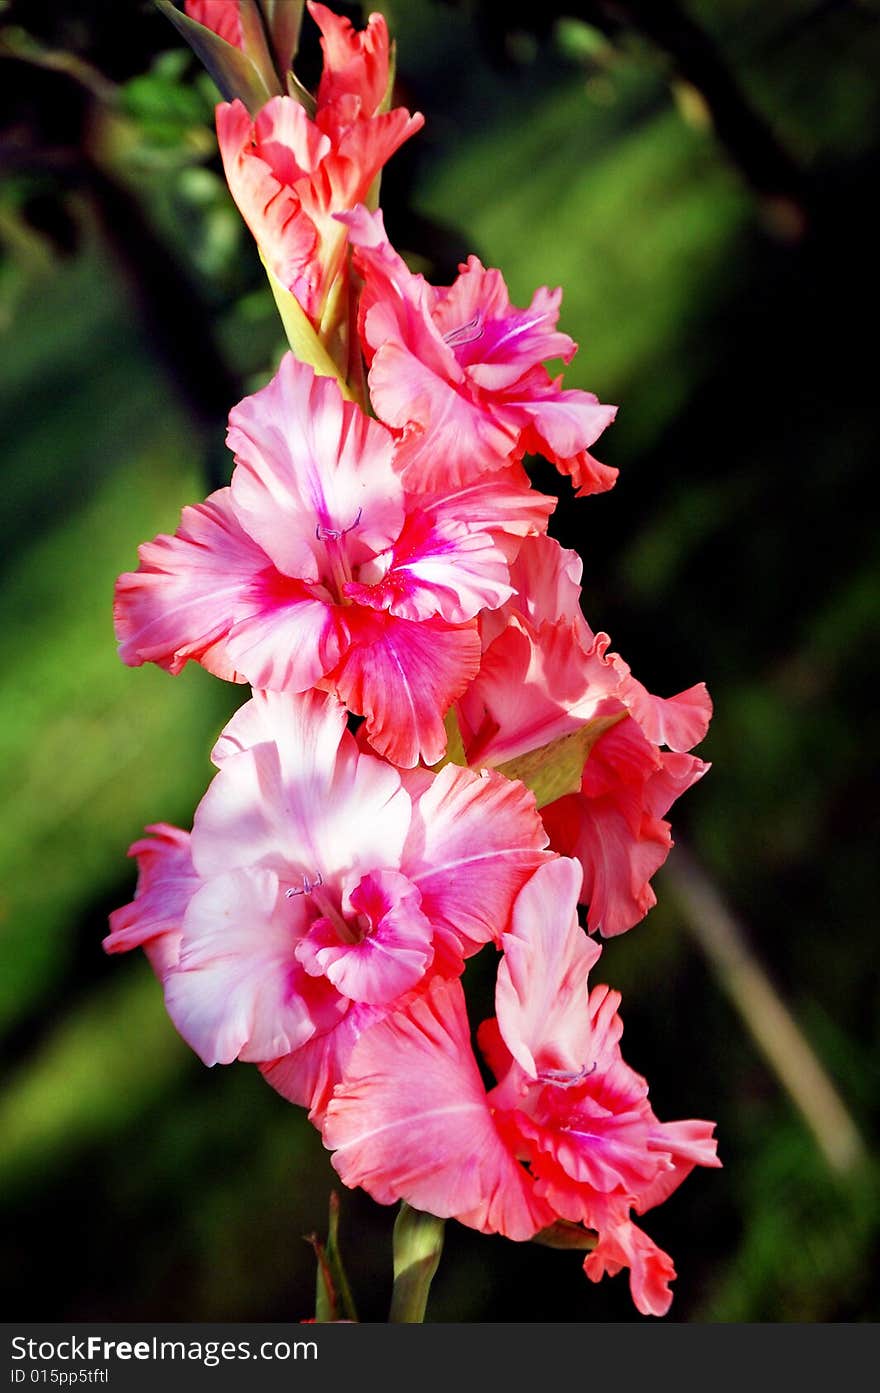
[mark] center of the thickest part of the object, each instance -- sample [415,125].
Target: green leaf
[300,94]
[233,71]
[418,1243]
[556,769]
[454,744]
[283,19]
[333,1298]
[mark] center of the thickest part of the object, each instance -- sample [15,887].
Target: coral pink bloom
[568,1132]
[458,371]
[356,62]
[544,675]
[316,568]
[290,174]
[320,887]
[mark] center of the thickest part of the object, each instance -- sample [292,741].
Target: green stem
[418,1243]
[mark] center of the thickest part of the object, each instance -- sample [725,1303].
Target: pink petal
[541,992]
[564,420]
[361,149]
[220,16]
[395,304]
[313,474]
[309,1075]
[577,1159]
[547,579]
[449,439]
[355,62]
[534,686]
[300,801]
[687,1144]
[410,1121]
[267,719]
[403,677]
[439,566]
[622,1244]
[287,141]
[238,992]
[291,641]
[270,207]
[464,310]
[614,826]
[189,590]
[496,343]
[474,842]
[502,504]
[680,721]
[166,883]
[618,864]
[394,952]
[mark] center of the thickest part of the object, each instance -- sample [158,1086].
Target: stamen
[307,886]
[465,333]
[335,534]
[564,1078]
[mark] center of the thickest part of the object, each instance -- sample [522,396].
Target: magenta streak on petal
[517,327]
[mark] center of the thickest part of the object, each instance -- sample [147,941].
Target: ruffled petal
[614,825]
[534,686]
[313,475]
[189,590]
[271,208]
[502,504]
[438,566]
[541,992]
[561,424]
[299,798]
[166,883]
[474,841]
[355,61]
[410,1121]
[393,953]
[622,1244]
[291,641]
[309,1075]
[237,991]
[448,439]
[403,677]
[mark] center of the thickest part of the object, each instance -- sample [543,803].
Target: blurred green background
[700,183]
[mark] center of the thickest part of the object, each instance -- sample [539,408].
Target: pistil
[328,909]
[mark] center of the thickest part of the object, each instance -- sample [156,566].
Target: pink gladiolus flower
[545,674]
[568,1131]
[319,888]
[317,568]
[458,372]
[290,175]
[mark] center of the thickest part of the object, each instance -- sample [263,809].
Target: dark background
[699,181]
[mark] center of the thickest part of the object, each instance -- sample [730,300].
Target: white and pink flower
[319,888]
[317,567]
